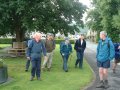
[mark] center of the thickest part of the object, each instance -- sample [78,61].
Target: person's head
[67,41]
[49,36]
[81,36]
[37,36]
[103,35]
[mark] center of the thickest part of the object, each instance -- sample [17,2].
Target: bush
[58,41]
[9,41]
[5,40]
[1,64]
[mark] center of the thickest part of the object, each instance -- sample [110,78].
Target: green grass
[56,79]
[4,45]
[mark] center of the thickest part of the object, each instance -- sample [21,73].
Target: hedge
[9,41]
[58,41]
[5,40]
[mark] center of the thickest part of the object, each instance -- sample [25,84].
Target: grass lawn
[56,79]
[4,45]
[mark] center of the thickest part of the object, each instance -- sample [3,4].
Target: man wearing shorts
[105,53]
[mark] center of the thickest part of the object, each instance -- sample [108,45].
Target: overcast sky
[88,4]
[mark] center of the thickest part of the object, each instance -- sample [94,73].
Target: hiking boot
[48,69]
[26,70]
[114,71]
[106,85]
[43,69]
[100,85]
[66,70]
[38,78]
[75,66]
[31,79]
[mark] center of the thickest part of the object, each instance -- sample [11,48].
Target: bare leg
[101,74]
[105,71]
[114,66]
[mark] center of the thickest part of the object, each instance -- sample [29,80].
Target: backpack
[108,44]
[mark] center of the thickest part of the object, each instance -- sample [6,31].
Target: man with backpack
[34,53]
[50,46]
[65,50]
[105,53]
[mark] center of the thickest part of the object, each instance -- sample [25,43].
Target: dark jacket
[50,45]
[78,47]
[117,51]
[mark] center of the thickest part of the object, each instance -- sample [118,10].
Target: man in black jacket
[80,46]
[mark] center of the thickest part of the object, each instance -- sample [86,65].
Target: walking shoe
[31,79]
[66,70]
[38,78]
[75,66]
[100,84]
[43,69]
[26,70]
[114,71]
[106,85]
[48,69]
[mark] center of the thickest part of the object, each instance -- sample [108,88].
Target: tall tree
[107,11]
[19,16]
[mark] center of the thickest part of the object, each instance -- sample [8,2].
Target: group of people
[106,51]
[36,47]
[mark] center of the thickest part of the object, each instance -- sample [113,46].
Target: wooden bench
[18,49]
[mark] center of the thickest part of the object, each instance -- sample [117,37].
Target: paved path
[4,52]
[114,79]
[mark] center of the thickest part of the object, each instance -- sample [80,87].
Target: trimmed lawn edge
[93,79]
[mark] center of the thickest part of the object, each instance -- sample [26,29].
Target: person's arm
[75,46]
[70,48]
[61,48]
[85,45]
[28,52]
[112,51]
[54,44]
[98,49]
[119,46]
[44,49]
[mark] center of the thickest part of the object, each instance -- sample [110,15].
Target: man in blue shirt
[34,53]
[105,53]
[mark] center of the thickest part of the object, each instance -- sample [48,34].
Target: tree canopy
[105,16]
[20,16]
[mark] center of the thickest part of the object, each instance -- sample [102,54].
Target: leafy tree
[107,12]
[20,16]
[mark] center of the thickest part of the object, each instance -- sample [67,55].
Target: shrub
[58,41]
[1,63]
[5,40]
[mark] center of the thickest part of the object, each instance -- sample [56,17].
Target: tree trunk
[19,35]
[18,30]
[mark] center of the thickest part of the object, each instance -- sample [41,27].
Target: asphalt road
[114,79]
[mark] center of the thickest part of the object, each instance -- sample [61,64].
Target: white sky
[88,4]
